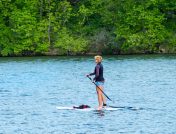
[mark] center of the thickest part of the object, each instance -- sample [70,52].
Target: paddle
[99,88]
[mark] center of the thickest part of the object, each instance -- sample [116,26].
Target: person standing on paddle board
[99,81]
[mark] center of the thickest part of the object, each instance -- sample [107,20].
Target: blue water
[32,88]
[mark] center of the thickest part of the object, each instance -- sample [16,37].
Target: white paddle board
[86,109]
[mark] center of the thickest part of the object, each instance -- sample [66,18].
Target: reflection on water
[100,113]
[143,87]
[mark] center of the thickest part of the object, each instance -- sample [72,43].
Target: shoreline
[92,54]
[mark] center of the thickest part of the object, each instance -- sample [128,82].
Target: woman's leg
[100,99]
[104,100]
[102,96]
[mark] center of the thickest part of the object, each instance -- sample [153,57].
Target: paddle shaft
[99,88]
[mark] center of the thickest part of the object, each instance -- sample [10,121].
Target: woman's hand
[94,79]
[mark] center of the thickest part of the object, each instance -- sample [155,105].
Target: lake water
[32,87]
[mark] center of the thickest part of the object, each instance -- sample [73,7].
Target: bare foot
[99,108]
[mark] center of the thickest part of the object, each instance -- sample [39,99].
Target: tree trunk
[41,9]
[49,24]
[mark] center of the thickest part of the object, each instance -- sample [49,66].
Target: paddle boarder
[99,81]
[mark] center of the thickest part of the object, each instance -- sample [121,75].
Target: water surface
[32,87]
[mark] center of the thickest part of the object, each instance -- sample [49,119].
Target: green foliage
[108,26]
[68,42]
[141,27]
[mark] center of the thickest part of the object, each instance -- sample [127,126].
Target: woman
[99,80]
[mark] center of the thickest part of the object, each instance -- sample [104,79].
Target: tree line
[59,27]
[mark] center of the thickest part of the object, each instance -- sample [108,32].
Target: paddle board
[85,109]
[108,108]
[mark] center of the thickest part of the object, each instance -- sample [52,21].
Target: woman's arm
[96,71]
[92,73]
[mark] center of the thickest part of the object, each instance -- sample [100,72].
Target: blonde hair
[99,58]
